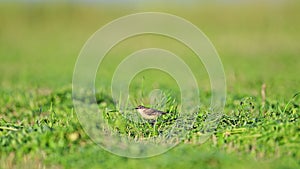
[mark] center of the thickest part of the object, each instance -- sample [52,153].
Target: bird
[149,113]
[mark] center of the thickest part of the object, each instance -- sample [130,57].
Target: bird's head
[140,107]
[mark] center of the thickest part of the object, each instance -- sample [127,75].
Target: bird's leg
[152,122]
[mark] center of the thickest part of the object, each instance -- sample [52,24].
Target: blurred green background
[258,42]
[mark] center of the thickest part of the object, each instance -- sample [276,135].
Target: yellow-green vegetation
[258,44]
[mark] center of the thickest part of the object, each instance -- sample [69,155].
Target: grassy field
[257,43]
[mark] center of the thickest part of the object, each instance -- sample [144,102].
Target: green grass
[39,128]
[47,125]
